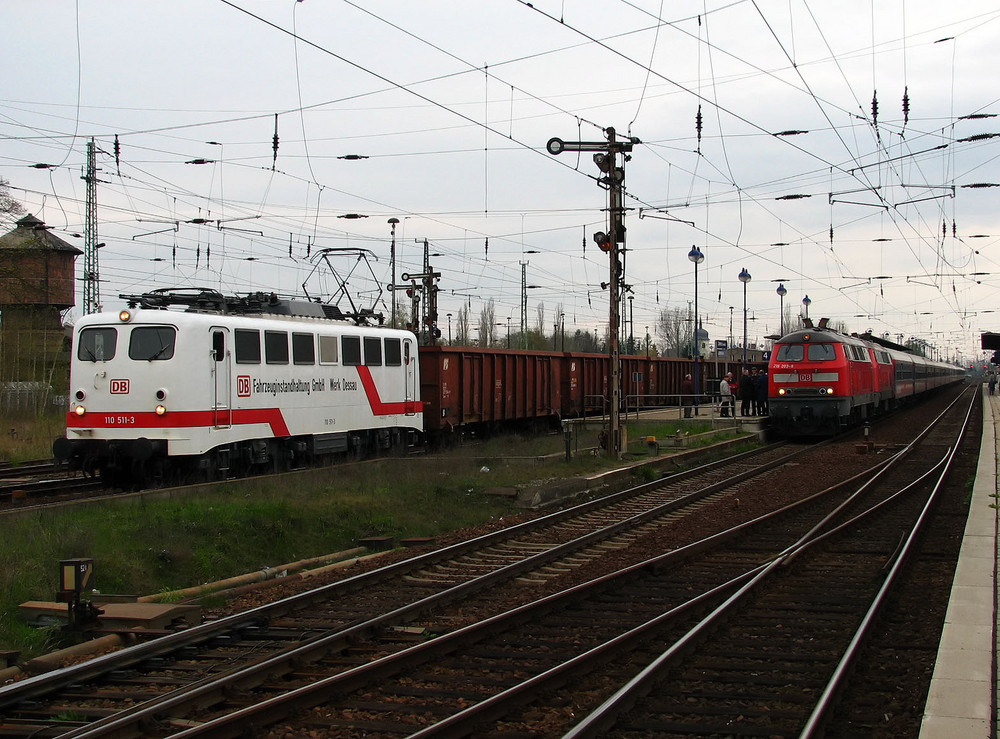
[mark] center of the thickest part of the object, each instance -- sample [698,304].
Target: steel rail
[39,685]
[239,722]
[827,699]
[604,716]
[325,643]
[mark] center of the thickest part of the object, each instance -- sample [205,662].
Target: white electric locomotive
[189,382]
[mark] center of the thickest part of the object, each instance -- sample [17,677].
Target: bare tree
[462,326]
[674,327]
[487,324]
[9,207]
[540,319]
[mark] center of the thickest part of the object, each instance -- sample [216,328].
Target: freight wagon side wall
[468,386]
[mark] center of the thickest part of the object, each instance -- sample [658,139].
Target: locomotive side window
[276,347]
[247,343]
[352,350]
[218,346]
[152,342]
[393,353]
[791,353]
[821,353]
[303,349]
[96,344]
[328,349]
[373,351]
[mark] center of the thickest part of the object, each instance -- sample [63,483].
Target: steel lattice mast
[91,271]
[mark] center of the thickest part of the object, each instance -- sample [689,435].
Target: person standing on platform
[993,383]
[747,394]
[726,395]
[762,393]
[687,395]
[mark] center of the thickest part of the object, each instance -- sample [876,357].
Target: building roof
[31,234]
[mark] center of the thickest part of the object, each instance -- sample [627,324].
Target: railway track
[327,620]
[752,632]
[313,638]
[27,468]
[44,484]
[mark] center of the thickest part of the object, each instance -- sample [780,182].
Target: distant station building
[37,283]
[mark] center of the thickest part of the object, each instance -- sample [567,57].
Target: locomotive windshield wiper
[159,353]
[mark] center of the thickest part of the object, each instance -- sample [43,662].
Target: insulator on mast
[274,143]
[697,126]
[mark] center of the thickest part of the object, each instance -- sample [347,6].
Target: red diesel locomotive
[821,381]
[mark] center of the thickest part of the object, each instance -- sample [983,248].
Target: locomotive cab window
[303,349]
[791,353]
[152,342]
[247,343]
[96,344]
[821,353]
[276,347]
[393,353]
[328,349]
[373,351]
[351,346]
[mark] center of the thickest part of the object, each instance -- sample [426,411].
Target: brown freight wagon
[484,389]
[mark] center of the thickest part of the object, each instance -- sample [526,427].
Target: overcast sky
[887,220]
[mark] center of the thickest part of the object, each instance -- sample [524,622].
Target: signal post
[606,159]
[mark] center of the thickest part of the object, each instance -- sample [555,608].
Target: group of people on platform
[751,390]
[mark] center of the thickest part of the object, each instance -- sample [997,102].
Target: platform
[962,697]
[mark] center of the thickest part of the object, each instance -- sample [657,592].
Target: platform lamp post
[782,292]
[806,302]
[744,278]
[697,258]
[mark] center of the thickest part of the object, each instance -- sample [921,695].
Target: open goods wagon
[479,389]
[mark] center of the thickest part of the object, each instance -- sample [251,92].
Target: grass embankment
[144,546]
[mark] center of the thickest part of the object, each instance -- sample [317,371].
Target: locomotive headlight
[125,316]
[781,391]
[79,410]
[160,410]
[829,391]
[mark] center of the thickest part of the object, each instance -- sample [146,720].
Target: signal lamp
[124,316]
[79,410]
[160,410]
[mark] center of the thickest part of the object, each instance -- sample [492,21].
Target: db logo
[119,387]
[243,386]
